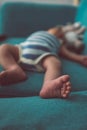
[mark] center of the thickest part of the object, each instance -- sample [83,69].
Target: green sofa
[21,108]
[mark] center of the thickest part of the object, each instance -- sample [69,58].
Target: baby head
[73,35]
[69,36]
[73,42]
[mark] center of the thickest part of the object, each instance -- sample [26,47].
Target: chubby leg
[12,73]
[55,85]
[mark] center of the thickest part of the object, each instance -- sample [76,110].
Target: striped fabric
[35,48]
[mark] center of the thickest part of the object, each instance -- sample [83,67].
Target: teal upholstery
[34,113]
[21,108]
[26,18]
[82,16]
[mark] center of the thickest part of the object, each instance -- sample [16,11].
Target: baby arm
[65,53]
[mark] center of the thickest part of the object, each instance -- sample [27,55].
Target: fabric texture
[34,113]
[28,17]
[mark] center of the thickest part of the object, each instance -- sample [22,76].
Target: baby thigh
[9,55]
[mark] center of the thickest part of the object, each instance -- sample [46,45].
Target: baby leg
[12,73]
[55,85]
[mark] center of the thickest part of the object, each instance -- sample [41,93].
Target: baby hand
[83,61]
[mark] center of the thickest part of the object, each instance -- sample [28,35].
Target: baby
[39,52]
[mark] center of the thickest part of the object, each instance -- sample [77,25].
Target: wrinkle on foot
[57,88]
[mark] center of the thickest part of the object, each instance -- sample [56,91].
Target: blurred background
[68,2]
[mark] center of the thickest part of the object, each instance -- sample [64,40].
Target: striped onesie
[37,46]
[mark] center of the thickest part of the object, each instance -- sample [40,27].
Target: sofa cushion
[21,18]
[34,113]
[81,16]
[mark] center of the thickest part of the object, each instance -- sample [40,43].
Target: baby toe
[64,95]
[68,88]
[68,83]
[66,92]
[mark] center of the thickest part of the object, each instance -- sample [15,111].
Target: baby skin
[58,88]
[54,86]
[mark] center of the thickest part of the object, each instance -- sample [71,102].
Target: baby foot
[58,88]
[12,76]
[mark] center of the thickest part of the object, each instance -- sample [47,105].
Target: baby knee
[3,47]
